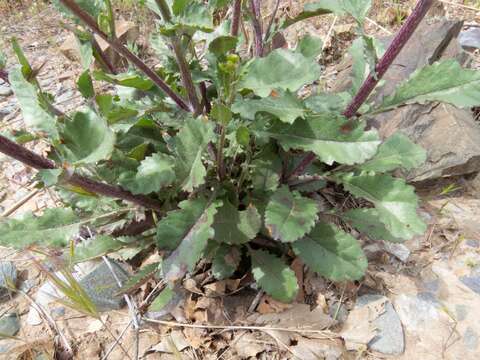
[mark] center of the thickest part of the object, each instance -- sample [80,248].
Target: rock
[9,324]
[101,286]
[8,277]
[469,38]
[390,338]
[5,91]
[126,31]
[450,135]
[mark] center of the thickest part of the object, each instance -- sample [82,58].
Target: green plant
[224,159]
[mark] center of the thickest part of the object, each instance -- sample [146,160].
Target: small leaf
[85,85]
[190,144]
[332,253]
[281,69]
[242,136]
[310,46]
[162,299]
[444,81]
[236,227]
[54,228]
[274,276]
[368,222]
[396,152]
[222,45]
[193,232]
[50,176]
[289,215]
[34,115]
[126,79]
[225,261]
[394,200]
[154,173]
[22,59]
[221,113]
[323,136]
[87,138]
[311,10]
[140,278]
[96,247]
[357,8]
[286,107]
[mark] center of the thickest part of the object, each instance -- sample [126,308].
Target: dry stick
[237,13]
[257,27]
[38,162]
[402,37]
[181,61]
[122,50]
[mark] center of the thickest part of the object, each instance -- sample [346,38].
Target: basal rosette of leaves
[233,160]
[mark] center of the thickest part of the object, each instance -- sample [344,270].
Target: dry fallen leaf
[175,339]
[269,305]
[359,329]
[247,346]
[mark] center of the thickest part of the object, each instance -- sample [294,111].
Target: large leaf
[310,46]
[142,276]
[54,228]
[266,170]
[287,107]
[34,115]
[396,152]
[154,173]
[357,8]
[274,276]
[394,200]
[444,81]
[325,137]
[236,227]
[225,261]
[281,69]
[368,222]
[87,138]
[289,215]
[192,226]
[332,253]
[190,144]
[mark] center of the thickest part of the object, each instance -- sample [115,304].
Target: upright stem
[111,19]
[181,61]
[122,50]
[38,162]
[272,19]
[257,27]
[237,13]
[402,37]
[387,59]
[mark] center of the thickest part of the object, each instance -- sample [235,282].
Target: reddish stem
[122,50]
[257,27]
[38,162]
[237,13]
[402,37]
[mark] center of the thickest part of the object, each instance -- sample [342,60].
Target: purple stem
[38,162]
[402,37]
[257,27]
[272,19]
[237,12]
[122,50]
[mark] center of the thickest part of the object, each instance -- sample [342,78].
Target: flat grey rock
[5,90]
[101,286]
[473,282]
[470,38]
[9,324]
[8,275]
[390,337]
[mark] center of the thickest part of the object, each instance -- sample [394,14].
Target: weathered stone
[469,39]
[9,324]
[126,32]
[450,135]
[8,277]
[101,286]
[390,338]
[338,311]
[5,90]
